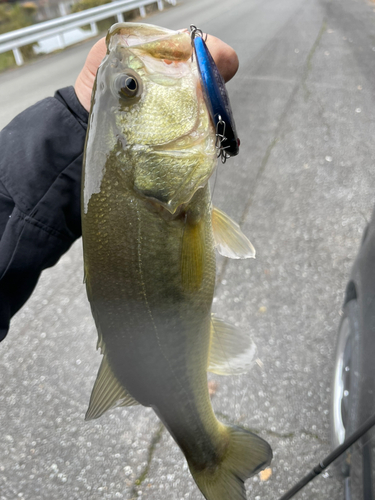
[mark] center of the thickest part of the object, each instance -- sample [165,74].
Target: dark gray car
[353,387]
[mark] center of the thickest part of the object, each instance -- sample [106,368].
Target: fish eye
[128,85]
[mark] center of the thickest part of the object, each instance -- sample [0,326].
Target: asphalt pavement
[302,189]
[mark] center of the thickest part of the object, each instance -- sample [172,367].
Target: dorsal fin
[107,393]
[232,351]
[229,239]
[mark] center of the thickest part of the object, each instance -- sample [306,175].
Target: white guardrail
[13,40]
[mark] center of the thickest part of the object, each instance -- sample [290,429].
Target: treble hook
[194,31]
[220,138]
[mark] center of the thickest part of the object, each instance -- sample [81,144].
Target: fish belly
[156,334]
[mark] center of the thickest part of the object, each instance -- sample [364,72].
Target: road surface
[302,189]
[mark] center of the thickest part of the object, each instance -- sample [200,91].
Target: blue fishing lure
[216,98]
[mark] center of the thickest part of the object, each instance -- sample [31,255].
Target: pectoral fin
[232,351]
[229,239]
[192,256]
[107,393]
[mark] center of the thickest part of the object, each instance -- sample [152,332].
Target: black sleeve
[40,182]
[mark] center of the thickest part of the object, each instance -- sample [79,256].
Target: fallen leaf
[259,362]
[212,388]
[265,474]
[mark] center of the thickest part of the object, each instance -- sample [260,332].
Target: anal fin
[232,351]
[229,239]
[107,393]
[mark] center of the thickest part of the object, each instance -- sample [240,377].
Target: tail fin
[246,455]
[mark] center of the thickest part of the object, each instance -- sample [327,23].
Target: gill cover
[159,124]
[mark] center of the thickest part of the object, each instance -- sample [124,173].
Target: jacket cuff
[68,98]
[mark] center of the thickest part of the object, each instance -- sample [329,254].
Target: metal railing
[13,40]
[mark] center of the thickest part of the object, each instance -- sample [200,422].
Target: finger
[224,56]
[96,55]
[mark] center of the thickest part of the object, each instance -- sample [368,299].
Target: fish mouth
[161,43]
[171,174]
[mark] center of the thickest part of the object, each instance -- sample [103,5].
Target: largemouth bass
[149,237]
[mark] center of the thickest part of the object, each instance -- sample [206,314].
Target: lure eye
[128,85]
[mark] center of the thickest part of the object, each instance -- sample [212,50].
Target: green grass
[7,60]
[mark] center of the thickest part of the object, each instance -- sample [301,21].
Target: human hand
[86,78]
[224,56]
